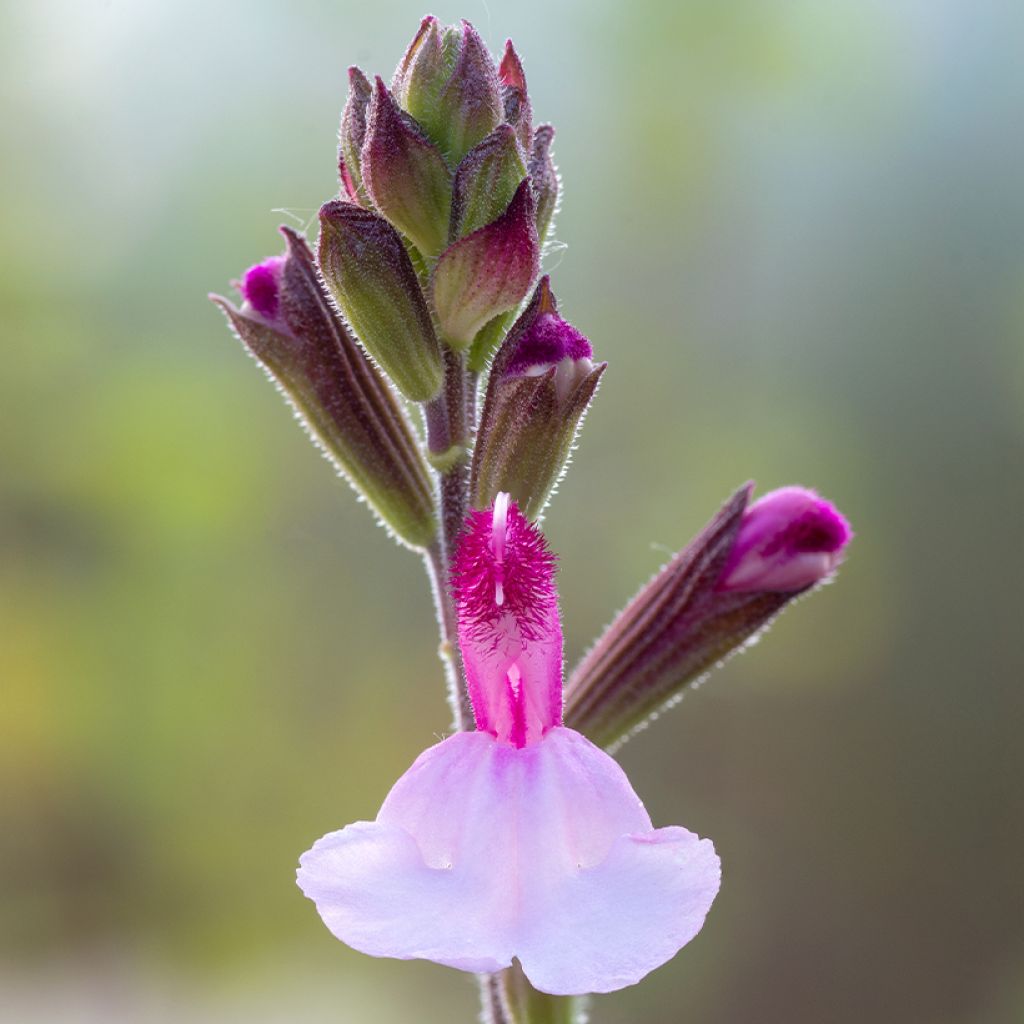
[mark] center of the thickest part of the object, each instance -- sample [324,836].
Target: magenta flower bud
[544,179]
[540,386]
[486,181]
[405,174]
[287,323]
[352,136]
[487,272]
[261,287]
[470,106]
[789,540]
[705,604]
[514,96]
[371,277]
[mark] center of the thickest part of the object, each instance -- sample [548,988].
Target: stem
[448,443]
[511,999]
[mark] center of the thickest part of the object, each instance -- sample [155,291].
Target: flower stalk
[516,848]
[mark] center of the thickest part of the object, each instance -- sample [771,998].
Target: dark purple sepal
[544,179]
[343,401]
[371,277]
[405,174]
[352,135]
[670,635]
[487,272]
[515,99]
[540,386]
[470,106]
[486,181]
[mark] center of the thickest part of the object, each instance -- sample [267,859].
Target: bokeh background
[796,232]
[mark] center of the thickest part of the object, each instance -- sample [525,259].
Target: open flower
[521,839]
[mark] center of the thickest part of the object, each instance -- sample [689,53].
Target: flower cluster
[517,838]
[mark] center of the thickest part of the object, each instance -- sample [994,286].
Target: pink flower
[521,839]
[789,539]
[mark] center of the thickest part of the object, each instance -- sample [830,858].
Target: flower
[790,539]
[521,839]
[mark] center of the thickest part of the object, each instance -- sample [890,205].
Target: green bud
[486,181]
[406,175]
[371,277]
[487,272]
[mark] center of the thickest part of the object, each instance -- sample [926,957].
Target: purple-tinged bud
[261,286]
[422,74]
[371,277]
[683,622]
[405,174]
[486,181]
[288,324]
[514,96]
[487,272]
[544,178]
[788,540]
[352,136]
[540,386]
[470,106]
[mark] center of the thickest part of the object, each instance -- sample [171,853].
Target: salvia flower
[522,839]
[743,568]
[541,383]
[788,540]
[288,323]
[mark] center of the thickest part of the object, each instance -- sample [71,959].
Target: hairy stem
[448,443]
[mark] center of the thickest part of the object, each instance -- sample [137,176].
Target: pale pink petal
[428,892]
[484,851]
[608,926]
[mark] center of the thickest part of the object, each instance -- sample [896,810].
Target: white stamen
[499,537]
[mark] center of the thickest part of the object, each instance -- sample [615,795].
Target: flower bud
[486,181]
[487,272]
[541,384]
[405,174]
[287,322]
[789,540]
[352,135]
[371,277]
[544,179]
[514,97]
[713,597]
[422,74]
[470,106]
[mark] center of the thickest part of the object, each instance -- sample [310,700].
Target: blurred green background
[796,232]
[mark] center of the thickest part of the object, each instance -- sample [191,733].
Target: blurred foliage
[794,230]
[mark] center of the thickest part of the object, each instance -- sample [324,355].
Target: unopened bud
[405,174]
[544,178]
[486,181]
[541,384]
[692,614]
[788,540]
[372,279]
[514,96]
[352,136]
[470,105]
[287,322]
[487,272]
[422,74]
